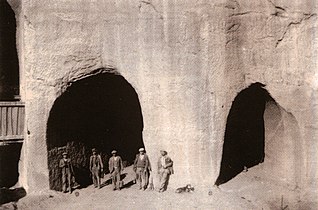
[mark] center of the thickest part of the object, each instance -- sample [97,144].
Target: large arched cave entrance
[244,140]
[101,111]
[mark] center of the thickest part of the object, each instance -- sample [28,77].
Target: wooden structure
[11,122]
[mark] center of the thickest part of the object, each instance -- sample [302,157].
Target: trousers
[164,175]
[96,177]
[142,177]
[116,178]
[66,179]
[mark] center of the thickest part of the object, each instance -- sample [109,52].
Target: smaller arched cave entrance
[101,111]
[244,140]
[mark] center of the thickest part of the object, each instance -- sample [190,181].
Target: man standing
[141,167]
[67,172]
[115,167]
[96,167]
[165,169]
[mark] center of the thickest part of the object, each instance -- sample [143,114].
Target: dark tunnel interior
[9,88]
[9,64]
[244,139]
[101,111]
[9,164]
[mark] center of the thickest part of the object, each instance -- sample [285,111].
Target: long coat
[168,163]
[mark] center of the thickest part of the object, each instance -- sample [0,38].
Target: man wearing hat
[96,167]
[67,172]
[115,165]
[165,169]
[142,168]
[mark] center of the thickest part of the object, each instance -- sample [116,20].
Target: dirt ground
[246,191]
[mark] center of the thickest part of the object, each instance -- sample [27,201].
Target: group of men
[141,167]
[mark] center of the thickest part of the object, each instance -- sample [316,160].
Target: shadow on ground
[109,181]
[10,195]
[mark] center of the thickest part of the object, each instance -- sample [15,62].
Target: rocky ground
[246,191]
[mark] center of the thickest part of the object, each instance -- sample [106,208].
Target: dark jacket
[66,166]
[146,160]
[112,164]
[98,163]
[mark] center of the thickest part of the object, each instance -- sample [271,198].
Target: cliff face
[275,43]
[187,61]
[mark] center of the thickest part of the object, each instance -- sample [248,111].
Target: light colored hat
[114,152]
[94,150]
[141,149]
[64,153]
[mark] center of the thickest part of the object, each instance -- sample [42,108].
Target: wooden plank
[13,141]
[12,137]
[4,120]
[15,120]
[0,121]
[21,121]
[11,103]
[9,121]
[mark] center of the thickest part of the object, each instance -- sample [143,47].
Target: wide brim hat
[141,149]
[94,150]
[114,152]
[64,153]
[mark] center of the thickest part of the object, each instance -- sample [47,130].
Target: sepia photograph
[158,104]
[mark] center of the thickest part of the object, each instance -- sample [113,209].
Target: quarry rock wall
[187,60]
[275,43]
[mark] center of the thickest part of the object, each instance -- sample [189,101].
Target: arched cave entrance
[9,64]
[101,111]
[10,146]
[244,140]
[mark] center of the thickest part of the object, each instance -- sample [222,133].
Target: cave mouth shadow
[100,111]
[9,63]
[11,195]
[244,139]
[9,164]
